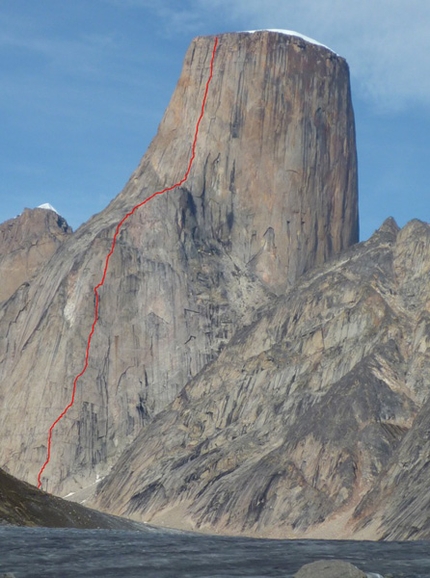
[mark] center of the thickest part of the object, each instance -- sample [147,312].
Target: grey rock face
[329,569]
[272,193]
[297,421]
[26,244]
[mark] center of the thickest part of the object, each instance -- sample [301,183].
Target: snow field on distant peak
[48,207]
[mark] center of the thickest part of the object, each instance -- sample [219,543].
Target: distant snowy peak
[48,207]
[292,33]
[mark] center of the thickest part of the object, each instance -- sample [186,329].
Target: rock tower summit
[272,192]
[275,179]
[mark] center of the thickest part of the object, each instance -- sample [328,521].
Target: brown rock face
[275,175]
[271,194]
[313,422]
[26,244]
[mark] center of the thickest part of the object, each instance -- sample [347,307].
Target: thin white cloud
[175,17]
[79,55]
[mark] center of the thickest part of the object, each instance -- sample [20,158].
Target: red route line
[97,287]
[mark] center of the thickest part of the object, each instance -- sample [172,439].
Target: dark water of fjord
[44,552]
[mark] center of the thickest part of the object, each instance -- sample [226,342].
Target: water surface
[44,552]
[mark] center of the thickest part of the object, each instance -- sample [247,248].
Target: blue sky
[84,84]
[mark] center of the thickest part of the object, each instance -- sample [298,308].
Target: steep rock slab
[272,192]
[295,422]
[26,244]
[398,508]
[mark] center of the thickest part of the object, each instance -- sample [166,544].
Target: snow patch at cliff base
[291,33]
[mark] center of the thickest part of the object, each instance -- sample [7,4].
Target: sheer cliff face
[275,175]
[314,420]
[272,193]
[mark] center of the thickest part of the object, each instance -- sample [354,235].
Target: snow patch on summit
[291,33]
[48,207]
